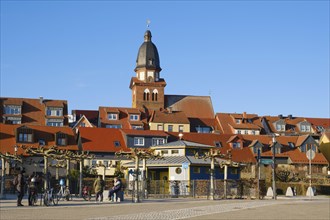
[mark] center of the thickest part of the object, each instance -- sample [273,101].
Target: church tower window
[146,95]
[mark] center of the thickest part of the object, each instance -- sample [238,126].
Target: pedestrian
[20,186]
[98,187]
[115,189]
[32,189]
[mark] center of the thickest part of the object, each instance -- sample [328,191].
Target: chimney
[244,115]
[169,109]
[41,99]
[290,117]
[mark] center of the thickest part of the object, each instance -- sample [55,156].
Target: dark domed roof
[148,54]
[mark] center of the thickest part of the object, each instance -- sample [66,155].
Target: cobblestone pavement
[298,208]
[206,212]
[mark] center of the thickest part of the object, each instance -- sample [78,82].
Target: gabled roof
[123,114]
[83,119]
[227,122]
[192,106]
[169,117]
[101,139]
[91,115]
[46,133]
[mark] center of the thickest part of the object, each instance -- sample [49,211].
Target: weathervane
[148,23]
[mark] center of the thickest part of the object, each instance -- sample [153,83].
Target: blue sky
[262,57]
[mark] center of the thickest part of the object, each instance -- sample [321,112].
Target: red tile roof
[169,117]
[227,123]
[101,139]
[192,106]
[46,133]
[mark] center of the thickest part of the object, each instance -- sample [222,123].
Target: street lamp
[273,168]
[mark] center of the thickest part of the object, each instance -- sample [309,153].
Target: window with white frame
[54,111]
[113,126]
[277,150]
[13,120]
[170,128]
[138,141]
[134,117]
[13,109]
[159,127]
[158,141]
[137,127]
[200,129]
[112,116]
[180,128]
[55,122]
[238,121]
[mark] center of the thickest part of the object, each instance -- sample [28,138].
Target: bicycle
[49,197]
[63,193]
[33,198]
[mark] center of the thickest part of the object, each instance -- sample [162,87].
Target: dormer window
[112,116]
[13,120]
[217,144]
[256,149]
[55,122]
[236,145]
[238,121]
[320,128]
[61,139]
[24,135]
[41,142]
[134,117]
[305,128]
[54,111]
[13,109]
[280,127]
[138,141]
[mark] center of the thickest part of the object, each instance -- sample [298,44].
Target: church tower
[147,87]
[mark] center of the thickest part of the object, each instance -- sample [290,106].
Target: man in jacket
[98,187]
[20,187]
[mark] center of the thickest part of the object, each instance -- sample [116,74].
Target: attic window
[25,134]
[134,117]
[236,145]
[116,143]
[238,121]
[217,144]
[320,128]
[61,139]
[291,145]
[54,111]
[41,142]
[13,109]
[112,116]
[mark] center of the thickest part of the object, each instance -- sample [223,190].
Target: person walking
[98,187]
[20,186]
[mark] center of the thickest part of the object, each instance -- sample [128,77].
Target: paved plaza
[283,208]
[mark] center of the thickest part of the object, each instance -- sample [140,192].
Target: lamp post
[273,167]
